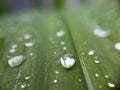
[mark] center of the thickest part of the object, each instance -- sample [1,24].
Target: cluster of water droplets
[67,60]
[97,75]
[98,31]
[17,60]
[13,48]
[24,83]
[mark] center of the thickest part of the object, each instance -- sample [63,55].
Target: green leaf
[41,69]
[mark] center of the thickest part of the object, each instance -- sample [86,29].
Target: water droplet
[83,53]
[100,32]
[106,76]
[31,54]
[100,86]
[60,33]
[29,44]
[111,85]
[91,52]
[117,46]
[28,85]
[14,46]
[55,81]
[27,36]
[64,48]
[54,52]
[23,85]
[12,50]
[27,77]
[56,72]
[80,80]
[18,83]
[67,60]
[96,58]
[97,75]
[16,61]
[63,43]
[96,61]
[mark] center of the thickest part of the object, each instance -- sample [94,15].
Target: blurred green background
[18,5]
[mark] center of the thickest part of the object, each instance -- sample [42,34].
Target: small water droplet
[64,48]
[18,83]
[96,61]
[29,44]
[56,72]
[97,75]
[106,76]
[83,53]
[12,50]
[27,36]
[54,52]
[27,77]
[60,33]
[111,85]
[80,80]
[55,81]
[96,58]
[67,60]
[63,43]
[91,52]
[117,46]
[23,85]
[14,46]
[31,54]
[100,86]
[16,61]
[101,33]
[28,85]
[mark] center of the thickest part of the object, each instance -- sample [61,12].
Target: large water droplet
[100,32]
[16,61]
[117,46]
[60,33]
[91,52]
[67,60]
[29,44]
[111,85]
